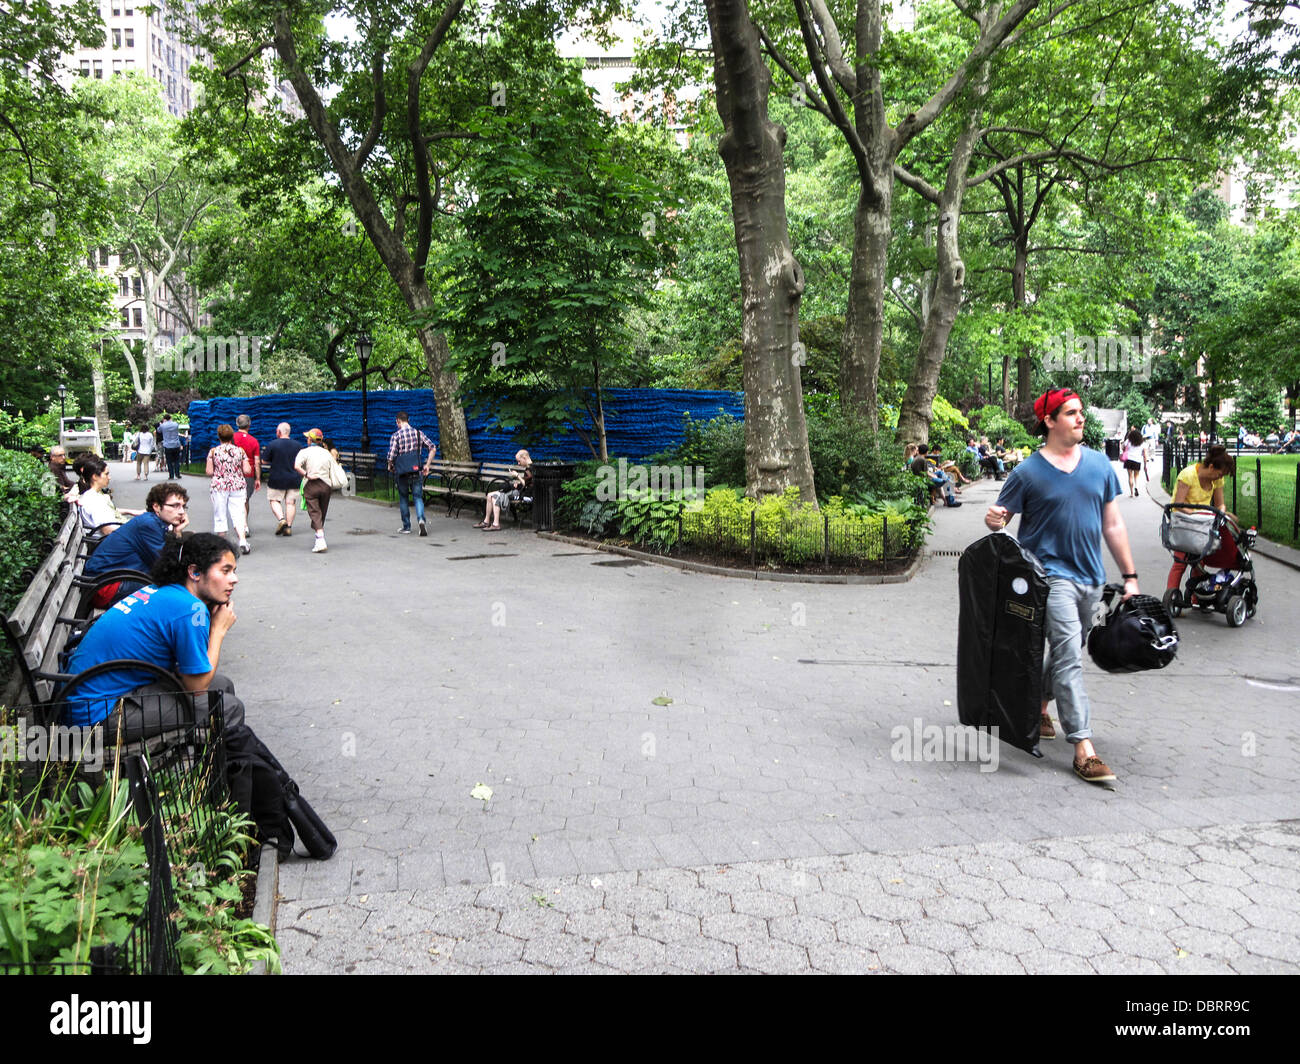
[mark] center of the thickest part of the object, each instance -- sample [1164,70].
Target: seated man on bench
[138,544]
[177,623]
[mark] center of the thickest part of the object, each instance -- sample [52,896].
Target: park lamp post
[63,391]
[364,347]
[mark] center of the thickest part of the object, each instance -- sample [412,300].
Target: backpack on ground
[261,788]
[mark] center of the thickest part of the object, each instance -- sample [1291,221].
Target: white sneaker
[320,547]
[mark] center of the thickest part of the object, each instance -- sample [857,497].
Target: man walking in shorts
[253,449]
[1066,497]
[282,480]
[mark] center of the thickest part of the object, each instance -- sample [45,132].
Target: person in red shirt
[254,451]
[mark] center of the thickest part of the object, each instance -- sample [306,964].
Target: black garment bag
[1000,639]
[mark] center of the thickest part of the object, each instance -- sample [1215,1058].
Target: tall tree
[772,282]
[562,238]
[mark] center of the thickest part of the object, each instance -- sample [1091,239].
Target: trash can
[1112,450]
[547,478]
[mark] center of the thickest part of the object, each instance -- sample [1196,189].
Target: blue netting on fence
[640,421]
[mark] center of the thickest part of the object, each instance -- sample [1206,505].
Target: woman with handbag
[228,465]
[321,471]
[1201,484]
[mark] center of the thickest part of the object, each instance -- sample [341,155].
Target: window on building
[139,318]
[117,9]
[127,64]
[103,256]
[123,285]
[129,37]
[137,286]
[85,68]
[117,38]
[128,11]
[97,65]
[126,318]
[117,66]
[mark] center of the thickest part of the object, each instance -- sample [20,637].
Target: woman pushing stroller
[1201,484]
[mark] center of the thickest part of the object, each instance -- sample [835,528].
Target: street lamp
[364,347]
[63,390]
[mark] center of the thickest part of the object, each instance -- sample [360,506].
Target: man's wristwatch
[1129,576]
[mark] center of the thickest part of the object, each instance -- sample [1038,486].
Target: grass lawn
[1275,497]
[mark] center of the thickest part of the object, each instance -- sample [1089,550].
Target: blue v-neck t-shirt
[1060,513]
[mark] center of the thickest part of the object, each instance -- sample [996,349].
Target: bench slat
[66,546]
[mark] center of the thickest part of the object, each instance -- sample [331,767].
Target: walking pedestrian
[143,442]
[313,462]
[250,446]
[171,444]
[282,481]
[228,466]
[404,448]
[1066,495]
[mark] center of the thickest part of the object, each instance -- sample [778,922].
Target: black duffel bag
[261,788]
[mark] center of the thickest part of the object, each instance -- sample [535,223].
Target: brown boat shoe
[1093,770]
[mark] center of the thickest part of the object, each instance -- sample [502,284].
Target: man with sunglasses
[1066,496]
[139,542]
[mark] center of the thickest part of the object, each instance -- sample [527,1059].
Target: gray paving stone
[1120,964]
[598,924]
[976,961]
[801,930]
[1275,945]
[915,960]
[1020,913]
[1004,938]
[839,958]
[762,903]
[631,953]
[702,956]
[666,926]
[1054,962]
[937,934]
[869,933]
[1140,942]
[488,949]
[1271,917]
[1076,941]
[733,928]
[557,951]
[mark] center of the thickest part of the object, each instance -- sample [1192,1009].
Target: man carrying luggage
[1066,495]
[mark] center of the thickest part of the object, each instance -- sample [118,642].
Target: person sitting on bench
[140,543]
[178,623]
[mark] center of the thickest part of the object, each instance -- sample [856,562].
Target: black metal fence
[1264,492]
[800,541]
[177,782]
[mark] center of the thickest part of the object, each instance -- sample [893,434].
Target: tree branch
[919,185]
[377,115]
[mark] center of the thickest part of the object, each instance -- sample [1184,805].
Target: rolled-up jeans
[412,483]
[1070,613]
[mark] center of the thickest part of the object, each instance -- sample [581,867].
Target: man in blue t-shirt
[138,544]
[1066,497]
[177,623]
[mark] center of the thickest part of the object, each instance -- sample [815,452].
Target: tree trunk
[453,433]
[101,391]
[776,435]
[917,409]
[864,318]
[1024,411]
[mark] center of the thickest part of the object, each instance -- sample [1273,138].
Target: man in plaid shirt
[404,459]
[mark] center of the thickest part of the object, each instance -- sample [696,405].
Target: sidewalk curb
[264,901]
[741,574]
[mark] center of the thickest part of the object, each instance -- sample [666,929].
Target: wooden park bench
[362,467]
[463,482]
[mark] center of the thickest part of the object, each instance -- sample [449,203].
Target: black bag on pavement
[261,788]
[1000,639]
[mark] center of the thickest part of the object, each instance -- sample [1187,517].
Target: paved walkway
[693,773]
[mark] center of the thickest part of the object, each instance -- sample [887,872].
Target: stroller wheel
[1236,610]
[1173,603]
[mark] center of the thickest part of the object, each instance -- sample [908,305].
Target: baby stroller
[1204,539]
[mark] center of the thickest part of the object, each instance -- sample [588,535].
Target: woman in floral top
[228,465]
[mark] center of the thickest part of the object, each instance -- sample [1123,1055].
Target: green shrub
[994,422]
[648,519]
[847,456]
[718,445]
[576,493]
[1094,432]
[29,515]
